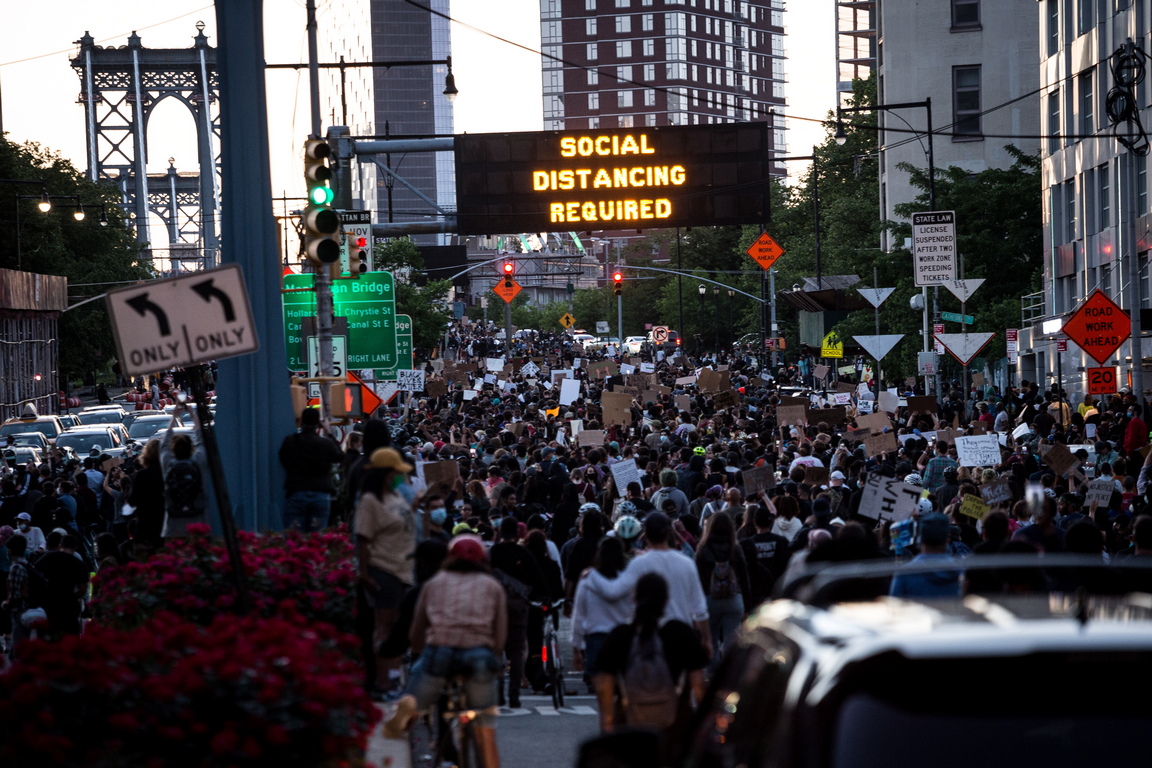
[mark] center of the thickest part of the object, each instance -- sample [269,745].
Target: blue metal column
[255,409]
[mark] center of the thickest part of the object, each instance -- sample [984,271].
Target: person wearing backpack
[185,468]
[646,670]
[26,591]
[724,577]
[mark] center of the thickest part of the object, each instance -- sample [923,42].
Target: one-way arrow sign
[878,346]
[165,324]
[964,346]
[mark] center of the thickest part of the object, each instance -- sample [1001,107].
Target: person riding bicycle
[459,626]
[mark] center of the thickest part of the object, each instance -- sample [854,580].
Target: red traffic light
[617,277]
[361,242]
[508,268]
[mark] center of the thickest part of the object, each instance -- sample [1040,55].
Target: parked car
[837,674]
[670,344]
[632,344]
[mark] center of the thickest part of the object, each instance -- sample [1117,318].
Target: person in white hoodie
[594,616]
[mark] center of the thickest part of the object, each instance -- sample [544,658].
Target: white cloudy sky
[499,84]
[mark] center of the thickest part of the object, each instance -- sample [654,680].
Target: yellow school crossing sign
[567,320]
[831,346]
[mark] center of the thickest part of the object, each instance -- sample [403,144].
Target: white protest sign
[978,451]
[888,402]
[494,363]
[410,380]
[888,498]
[577,426]
[569,391]
[647,368]
[864,407]
[623,473]
[576,362]
[1020,431]
[469,394]
[626,369]
[528,370]
[842,398]
[1100,491]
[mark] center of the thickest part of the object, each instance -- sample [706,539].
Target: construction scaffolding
[30,308]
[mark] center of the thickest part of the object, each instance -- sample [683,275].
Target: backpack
[184,489]
[648,694]
[515,590]
[723,584]
[39,589]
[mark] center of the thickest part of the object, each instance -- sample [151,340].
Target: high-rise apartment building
[976,61]
[855,43]
[633,63]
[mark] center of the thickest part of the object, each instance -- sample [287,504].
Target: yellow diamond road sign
[567,320]
[831,346]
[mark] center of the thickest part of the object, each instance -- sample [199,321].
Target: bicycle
[456,743]
[550,651]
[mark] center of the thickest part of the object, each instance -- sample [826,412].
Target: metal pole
[508,328]
[932,206]
[323,282]
[816,214]
[679,285]
[620,320]
[1133,302]
[313,67]
[772,309]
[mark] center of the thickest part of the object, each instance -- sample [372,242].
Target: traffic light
[357,255]
[618,282]
[321,224]
[508,268]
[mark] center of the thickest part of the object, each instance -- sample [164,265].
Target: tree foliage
[427,305]
[94,258]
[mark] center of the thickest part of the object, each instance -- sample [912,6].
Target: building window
[676,71]
[1053,27]
[675,24]
[590,27]
[625,121]
[1054,121]
[550,33]
[624,98]
[623,74]
[1087,103]
[1070,210]
[589,5]
[593,101]
[623,3]
[554,80]
[550,9]
[1103,199]
[593,122]
[1087,17]
[623,23]
[966,101]
[592,51]
[649,72]
[674,49]
[965,14]
[650,119]
[648,22]
[593,77]
[649,97]
[623,49]
[649,47]
[1142,187]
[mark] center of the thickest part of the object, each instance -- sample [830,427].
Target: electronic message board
[630,178]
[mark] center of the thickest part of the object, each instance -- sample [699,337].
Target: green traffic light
[321,195]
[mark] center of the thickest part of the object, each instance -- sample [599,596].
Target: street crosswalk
[541,706]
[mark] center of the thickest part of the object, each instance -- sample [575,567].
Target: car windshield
[36,440]
[144,428]
[83,443]
[101,417]
[46,428]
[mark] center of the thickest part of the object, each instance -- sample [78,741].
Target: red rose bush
[240,691]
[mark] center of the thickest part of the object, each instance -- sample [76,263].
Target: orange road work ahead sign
[1099,326]
[507,290]
[764,250]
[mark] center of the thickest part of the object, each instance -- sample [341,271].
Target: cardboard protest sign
[683,402]
[617,408]
[626,369]
[830,416]
[785,400]
[816,475]
[979,427]
[792,415]
[726,399]
[435,388]
[973,506]
[1060,459]
[441,475]
[591,437]
[926,404]
[887,498]
[602,369]
[885,442]
[624,472]
[978,451]
[820,372]
[999,492]
[1100,491]
[874,422]
[685,381]
[712,381]
[758,479]
[843,386]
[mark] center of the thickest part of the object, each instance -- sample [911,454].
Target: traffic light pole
[620,319]
[508,328]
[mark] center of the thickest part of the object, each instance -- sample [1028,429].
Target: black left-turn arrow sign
[143,306]
[208,290]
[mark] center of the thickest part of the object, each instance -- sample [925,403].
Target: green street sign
[403,342]
[954,317]
[369,305]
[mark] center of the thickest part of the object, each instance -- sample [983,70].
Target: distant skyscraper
[855,43]
[633,63]
[410,101]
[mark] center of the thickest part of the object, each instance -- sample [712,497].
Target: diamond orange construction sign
[1099,326]
[765,251]
[507,290]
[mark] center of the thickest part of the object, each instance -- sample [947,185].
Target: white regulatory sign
[934,247]
[660,334]
[181,321]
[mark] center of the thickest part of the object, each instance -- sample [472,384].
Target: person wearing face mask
[1136,433]
[437,520]
[35,536]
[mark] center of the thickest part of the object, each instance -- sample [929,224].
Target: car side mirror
[624,749]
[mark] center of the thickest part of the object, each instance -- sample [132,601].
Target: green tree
[94,258]
[426,304]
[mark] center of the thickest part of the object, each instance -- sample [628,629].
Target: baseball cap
[838,475]
[24,516]
[389,458]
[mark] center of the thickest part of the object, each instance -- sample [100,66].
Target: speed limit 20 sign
[1102,381]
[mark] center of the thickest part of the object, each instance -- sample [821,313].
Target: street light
[45,204]
[450,91]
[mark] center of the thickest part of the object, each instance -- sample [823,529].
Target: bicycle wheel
[556,673]
[468,753]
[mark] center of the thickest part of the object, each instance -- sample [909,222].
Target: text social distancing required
[181,321]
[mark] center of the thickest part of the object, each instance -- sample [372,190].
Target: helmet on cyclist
[699,450]
[925,507]
[589,507]
[468,546]
[626,508]
[914,479]
[627,527]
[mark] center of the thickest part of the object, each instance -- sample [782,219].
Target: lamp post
[840,137]
[731,301]
[703,291]
[716,318]
[45,206]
